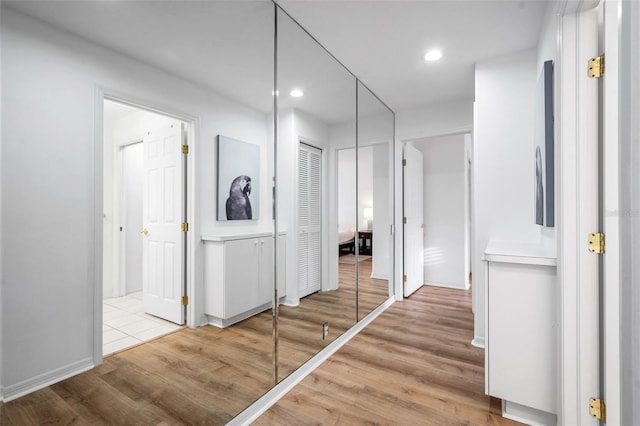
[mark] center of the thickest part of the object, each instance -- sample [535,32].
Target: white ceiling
[228,45]
[383,42]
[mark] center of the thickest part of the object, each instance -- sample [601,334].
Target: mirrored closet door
[316,118]
[374,200]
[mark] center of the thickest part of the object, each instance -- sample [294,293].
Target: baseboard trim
[527,415]
[378,276]
[445,285]
[46,379]
[478,342]
[251,413]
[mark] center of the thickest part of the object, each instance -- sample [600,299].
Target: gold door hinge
[185,149]
[185,300]
[597,409]
[596,67]
[184,227]
[404,220]
[404,278]
[404,161]
[596,243]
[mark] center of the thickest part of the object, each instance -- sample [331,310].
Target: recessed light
[432,55]
[296,93]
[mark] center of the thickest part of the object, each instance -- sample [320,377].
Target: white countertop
[523,252]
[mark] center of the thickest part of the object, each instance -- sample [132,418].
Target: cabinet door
[242,276]
[523,335]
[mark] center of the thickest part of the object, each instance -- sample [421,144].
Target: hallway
[413,365]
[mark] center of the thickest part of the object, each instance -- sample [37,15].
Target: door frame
[576,111]
[192,267]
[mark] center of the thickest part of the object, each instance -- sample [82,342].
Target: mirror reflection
[279,218]
[316,117]
[374,201]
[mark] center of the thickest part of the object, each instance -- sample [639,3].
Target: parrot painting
[238,203]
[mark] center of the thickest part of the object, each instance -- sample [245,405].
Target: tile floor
[125,324]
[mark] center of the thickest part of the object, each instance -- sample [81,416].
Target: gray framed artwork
[238,195]
[543,148]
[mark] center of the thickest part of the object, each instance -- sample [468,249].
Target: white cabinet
[521,354]
[239,276]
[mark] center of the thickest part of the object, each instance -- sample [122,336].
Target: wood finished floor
[413,365]
[385,375]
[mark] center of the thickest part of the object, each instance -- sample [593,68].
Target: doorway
[143,243]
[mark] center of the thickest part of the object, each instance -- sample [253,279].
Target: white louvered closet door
[309,219]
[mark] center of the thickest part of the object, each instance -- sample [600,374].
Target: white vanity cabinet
[239,276]
[522,352]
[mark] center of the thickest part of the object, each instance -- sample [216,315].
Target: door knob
[145,231]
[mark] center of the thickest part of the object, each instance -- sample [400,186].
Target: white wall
[51,187]
[347,188]
[444,167]
[436,120]
[381,263]
[503,163]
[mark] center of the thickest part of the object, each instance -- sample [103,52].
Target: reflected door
[413,214]
[309,220]
[132,178]
[163,240]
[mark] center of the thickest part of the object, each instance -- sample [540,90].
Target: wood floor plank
[413,365]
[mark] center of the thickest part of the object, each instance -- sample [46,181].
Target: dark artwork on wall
[238,179]
[543,145]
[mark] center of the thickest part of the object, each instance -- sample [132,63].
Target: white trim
[47,379]
[398,233]
[611,209]
[453,286]
[379,276]
[577,268]
[194,268]
[478,342]
[251,413]
[527,415]
[411,137]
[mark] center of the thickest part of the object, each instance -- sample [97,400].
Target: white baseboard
[527,415]
[251,413]
[378,276]
[478,342]
[290,302]
[446,285]
[1,395]
[33,384]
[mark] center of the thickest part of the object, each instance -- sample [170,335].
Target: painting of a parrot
[238,203]
[238,180]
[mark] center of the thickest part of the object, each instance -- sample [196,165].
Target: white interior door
[163,211]
[413,213]
[132,178]
[309,220]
